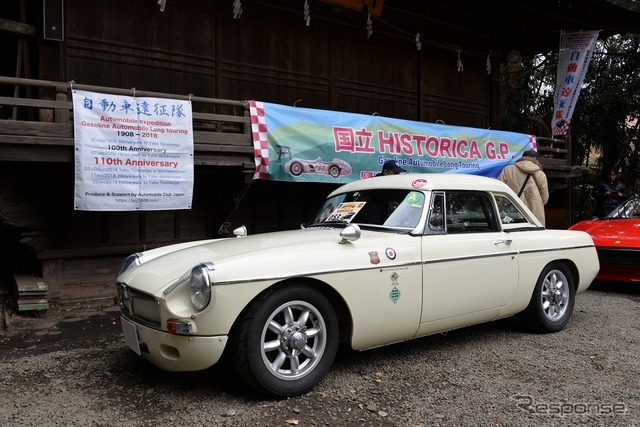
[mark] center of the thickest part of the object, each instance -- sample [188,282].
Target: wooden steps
[31,293]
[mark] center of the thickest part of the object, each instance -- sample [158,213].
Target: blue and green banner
[308,145]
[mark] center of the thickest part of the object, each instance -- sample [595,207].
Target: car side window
[509,213]
[469,212]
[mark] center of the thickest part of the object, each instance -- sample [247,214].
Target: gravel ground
[70,367]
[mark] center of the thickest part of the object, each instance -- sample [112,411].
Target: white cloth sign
[576,49]
[132,153]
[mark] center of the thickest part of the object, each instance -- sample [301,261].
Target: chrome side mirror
[350,234]
[240,231]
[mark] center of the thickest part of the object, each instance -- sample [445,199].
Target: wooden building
[419,60]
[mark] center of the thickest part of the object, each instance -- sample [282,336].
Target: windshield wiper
[330,223]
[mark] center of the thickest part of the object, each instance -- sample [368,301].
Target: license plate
[130,335]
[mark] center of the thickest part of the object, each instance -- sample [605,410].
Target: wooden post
[61,115]
[22,63]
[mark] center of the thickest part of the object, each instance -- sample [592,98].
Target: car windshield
[376,208]
[628,209]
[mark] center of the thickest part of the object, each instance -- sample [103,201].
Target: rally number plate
[130,335]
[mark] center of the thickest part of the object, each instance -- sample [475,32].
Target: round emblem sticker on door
[391,253]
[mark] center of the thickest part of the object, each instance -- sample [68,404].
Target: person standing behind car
[526,178]
[390,167]
[609,193]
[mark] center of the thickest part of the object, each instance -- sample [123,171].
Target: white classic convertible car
[386,259]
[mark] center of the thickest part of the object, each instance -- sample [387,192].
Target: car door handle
[503,242]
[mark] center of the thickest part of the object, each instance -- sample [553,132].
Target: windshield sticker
[414,199]
[391,253]
[373,256]
[344,212]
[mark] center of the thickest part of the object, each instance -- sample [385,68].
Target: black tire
[334,171]
[296,168]
[552,301]
[286,341]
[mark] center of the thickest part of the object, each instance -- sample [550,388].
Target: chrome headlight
[200,286]
[133,259]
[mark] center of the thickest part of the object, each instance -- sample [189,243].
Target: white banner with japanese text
[576,49]
[132,153]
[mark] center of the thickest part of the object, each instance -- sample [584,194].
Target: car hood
[253,257]
[612,232]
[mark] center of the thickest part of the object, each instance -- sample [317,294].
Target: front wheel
[286,341]
[552,301]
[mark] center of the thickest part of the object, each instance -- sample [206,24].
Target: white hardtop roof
[426,182]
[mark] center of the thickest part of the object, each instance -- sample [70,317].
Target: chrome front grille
[139,306]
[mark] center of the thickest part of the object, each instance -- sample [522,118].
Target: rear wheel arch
[573,268]
[574,271]
[550,308]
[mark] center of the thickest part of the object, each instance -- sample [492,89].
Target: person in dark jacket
[390,167]
[609,193]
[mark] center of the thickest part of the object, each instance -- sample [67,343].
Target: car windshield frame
[630,208]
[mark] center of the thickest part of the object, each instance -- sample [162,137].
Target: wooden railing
[556,160]
[37,125]
[554,148]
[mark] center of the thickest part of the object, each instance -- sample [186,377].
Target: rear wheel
[552,301]
[286,341]
[334,171]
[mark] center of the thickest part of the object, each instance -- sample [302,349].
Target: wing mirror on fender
[240,231]
[350,234]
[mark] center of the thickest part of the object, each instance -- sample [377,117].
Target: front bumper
[619,273]
[174,352]
[619,264]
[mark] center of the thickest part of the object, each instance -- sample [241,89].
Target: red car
[617,239]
